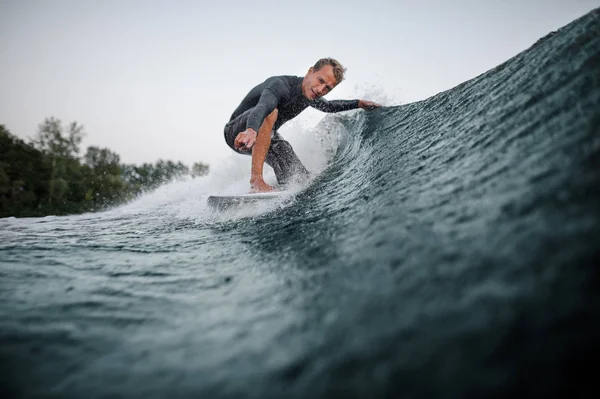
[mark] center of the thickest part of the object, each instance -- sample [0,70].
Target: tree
[53,140]
[102,161]
[105,184]
[22,171]
[199,169]
[62,148]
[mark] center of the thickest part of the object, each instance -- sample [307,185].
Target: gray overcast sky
[159,79]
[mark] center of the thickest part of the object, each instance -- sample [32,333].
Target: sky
[158,79]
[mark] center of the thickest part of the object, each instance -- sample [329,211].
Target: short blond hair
[338,69]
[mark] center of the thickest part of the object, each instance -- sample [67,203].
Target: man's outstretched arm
[342,105]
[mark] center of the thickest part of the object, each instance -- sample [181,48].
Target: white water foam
[186,198]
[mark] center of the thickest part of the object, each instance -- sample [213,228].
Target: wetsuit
[285,94]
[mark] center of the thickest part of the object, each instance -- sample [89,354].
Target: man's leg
[284,161]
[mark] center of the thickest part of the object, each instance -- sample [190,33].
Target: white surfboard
[222,202]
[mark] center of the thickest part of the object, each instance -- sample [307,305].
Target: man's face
[318,83]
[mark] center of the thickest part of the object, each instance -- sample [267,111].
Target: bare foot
[258,185]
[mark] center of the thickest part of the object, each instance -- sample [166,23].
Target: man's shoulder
[293,78]
[288,80]
[283,84]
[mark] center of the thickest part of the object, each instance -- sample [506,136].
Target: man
[253,126]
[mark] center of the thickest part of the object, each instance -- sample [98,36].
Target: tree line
[47,176]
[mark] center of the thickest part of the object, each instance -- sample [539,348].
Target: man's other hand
[368,104]
[245,140]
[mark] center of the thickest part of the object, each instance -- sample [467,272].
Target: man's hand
[258,185]
[245,140]
[369,105]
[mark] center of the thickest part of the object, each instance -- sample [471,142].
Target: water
[444,249]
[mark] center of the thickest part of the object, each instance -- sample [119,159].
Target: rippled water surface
[444,250]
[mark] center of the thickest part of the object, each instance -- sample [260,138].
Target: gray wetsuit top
[285,94]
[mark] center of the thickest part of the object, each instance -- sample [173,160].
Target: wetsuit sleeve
[266,104]
[334,105]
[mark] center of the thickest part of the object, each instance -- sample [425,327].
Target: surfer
[253,126]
